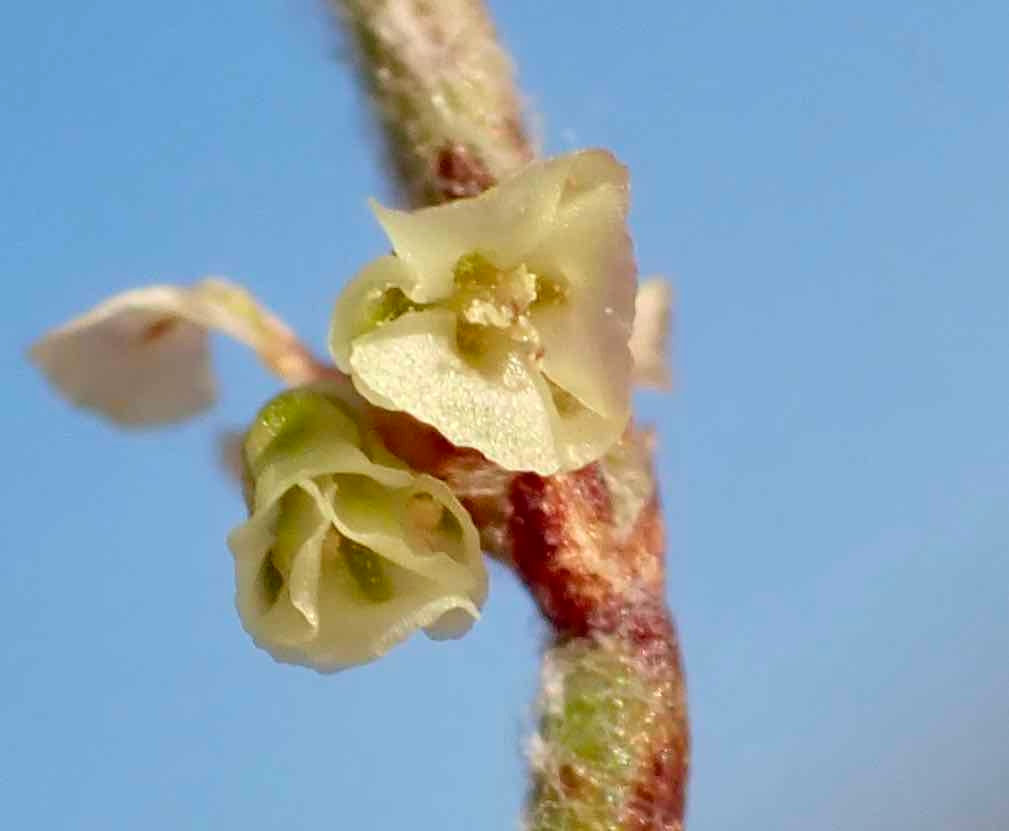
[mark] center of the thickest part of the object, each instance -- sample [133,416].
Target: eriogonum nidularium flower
[346,552]
[503,320]
[142,357]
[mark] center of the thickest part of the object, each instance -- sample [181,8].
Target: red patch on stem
[459,173]
[555,532]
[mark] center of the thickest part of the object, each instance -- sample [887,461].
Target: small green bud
[290,420]
[593,738]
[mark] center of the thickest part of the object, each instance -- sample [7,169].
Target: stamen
[366,567]
[392,304]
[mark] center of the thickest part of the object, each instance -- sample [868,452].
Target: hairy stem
[442,87]
[613,744]
[612,735]
[611,753]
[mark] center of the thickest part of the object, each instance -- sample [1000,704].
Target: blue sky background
[827,184]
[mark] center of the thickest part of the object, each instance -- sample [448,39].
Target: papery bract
[142,357]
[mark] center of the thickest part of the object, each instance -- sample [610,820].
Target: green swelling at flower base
[287,420]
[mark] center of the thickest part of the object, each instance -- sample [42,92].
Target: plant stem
[612,749]
[442,86]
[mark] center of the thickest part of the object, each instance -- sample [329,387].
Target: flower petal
[138,358]
[359,306]
[347,632]
[587,170]
[585,337]
[501,224]
[316,491]
[412,364]
[142,357]
[581,435]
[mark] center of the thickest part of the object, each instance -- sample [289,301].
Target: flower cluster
[506,321]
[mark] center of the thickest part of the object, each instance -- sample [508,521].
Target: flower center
[295,523]
[493,306]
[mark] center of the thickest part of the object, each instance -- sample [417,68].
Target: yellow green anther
[392,304]
[295,523]
[550,291]
[474,272]
[365,566]
[449,525]
[489,295]
[471,338]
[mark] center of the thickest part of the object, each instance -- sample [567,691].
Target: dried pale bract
[142,357]
[649,342]
[346,552]
[503,320]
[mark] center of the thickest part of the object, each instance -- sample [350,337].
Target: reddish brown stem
[588,544]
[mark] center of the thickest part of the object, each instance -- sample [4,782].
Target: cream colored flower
[346,552]
[503,320]
[142,357]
